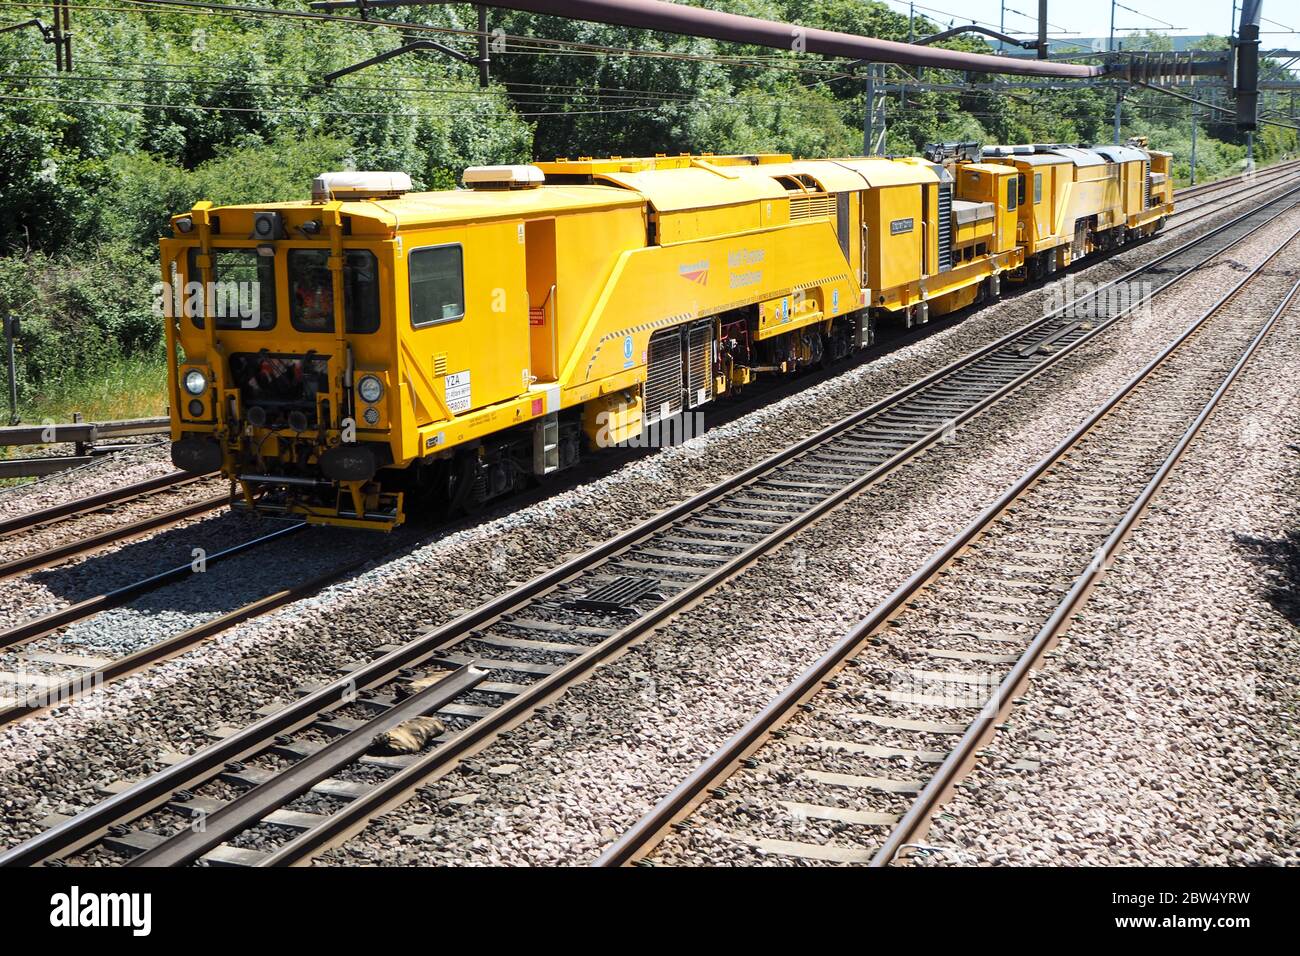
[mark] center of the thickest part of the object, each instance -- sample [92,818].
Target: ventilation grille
[699,364]
[811,207]
[1146,187]
[440,364]
[945,227]
[663,382]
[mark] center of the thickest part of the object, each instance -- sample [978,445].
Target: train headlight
[195,382]
[370,389]
[371,416]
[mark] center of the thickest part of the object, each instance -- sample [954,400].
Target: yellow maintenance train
[336,357]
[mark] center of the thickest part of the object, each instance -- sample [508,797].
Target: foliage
[169,105]
[80,315]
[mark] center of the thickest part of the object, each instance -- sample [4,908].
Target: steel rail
[250,807]
[1259,184]
[83,682]
[95,502]
[109,537]
[647,832]
[1012,685]
[48,623]
[394,791]
[1281,169]
[89,825]
[1215,206]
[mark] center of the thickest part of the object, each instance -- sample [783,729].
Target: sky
[1091,18]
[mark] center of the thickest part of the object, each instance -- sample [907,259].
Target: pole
[1193,182]
[884,114]
[1002,24]
[1119,112]
[11,332]
[1110,44]
[869,112]
[67,36]
[1250,151]
[57,27]
[484,63]
[1042,29]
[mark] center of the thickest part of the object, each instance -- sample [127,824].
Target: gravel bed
[565,784]
[153,458]
[726,669]
[1163,732]
[43,591]
[793,772]
[62,531]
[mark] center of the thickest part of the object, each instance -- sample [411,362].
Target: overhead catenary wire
[583,95]
[515,43]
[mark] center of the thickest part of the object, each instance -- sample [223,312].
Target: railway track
[1274,172]
[118,534]
[1185,217]
[849,763]
[47,624]
[66,677]
[94,504]
[491,668]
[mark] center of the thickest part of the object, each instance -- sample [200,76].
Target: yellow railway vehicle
[1075,201]
[335,357]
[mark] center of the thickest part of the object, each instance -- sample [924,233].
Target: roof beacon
[359,185]
[503,177]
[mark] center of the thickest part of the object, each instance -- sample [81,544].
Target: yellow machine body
[459,344]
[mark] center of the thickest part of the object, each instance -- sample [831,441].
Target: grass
[129,388]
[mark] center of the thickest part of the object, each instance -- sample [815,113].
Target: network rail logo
[697,272]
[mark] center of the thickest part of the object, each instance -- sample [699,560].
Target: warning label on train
[458,399]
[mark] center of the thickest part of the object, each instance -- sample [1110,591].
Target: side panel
[543,295]
[799,269]
[588,248]
[483,357]
[896,226]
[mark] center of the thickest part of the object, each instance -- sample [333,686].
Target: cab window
[1038,188]
[311,291]
[1011,194]
[242,290]
[1020,189]
[437,285]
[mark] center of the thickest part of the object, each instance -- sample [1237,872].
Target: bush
[80,314]
[147,190]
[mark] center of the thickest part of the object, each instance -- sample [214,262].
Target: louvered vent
[811,207]
[440,364]
[663,382]
[1146,186]
[945,227]
[699,364]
